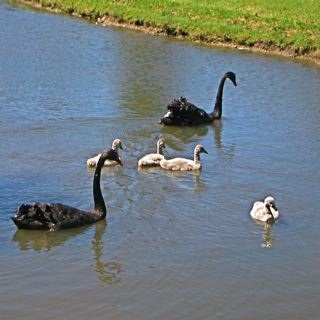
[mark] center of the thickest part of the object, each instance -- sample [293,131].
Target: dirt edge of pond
[258,47]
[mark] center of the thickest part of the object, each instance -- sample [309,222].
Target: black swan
[183,113]
[55,216]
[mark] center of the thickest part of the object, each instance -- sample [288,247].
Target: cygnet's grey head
[116,144]
[200,149]
[160,146]
[160,143]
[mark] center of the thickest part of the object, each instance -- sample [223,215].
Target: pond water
[175,245]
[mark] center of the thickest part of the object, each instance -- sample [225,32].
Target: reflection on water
[267,237]
[108,272]
[43,239]
[178,175]
[217,126]
[177,136]
[38,240]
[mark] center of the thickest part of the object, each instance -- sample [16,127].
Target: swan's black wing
[182,112]
[52,216]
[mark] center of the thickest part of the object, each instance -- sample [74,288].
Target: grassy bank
[288,26]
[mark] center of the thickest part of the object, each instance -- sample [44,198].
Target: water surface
[176,245]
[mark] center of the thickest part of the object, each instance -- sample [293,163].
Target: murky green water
[177,245]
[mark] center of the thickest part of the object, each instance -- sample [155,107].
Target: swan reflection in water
[184,134]
[107,272]
[43,240]
[267,237]
[177,136]
[217,127]
[182,178]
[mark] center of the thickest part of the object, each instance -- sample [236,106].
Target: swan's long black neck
[217,111]
[99,204]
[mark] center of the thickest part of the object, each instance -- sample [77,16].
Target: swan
[116,145]
[55,216]
[183,113]
[182,164]
[153,159]
[265,211]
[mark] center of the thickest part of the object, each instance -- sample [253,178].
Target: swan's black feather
[51,216]
[55,216]
[183,113]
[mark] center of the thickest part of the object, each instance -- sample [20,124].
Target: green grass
[289,25]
